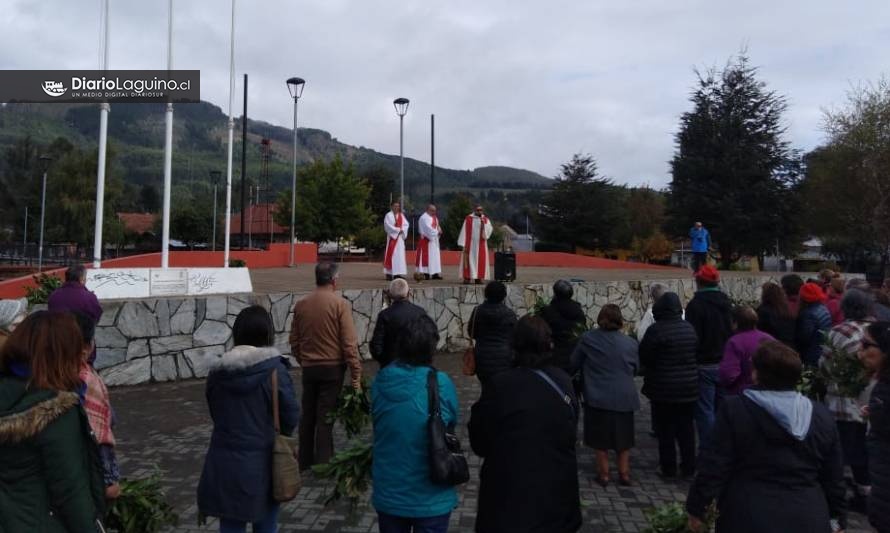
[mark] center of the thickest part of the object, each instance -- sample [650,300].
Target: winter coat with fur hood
[236,482]
[50,474]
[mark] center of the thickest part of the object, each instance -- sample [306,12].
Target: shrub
[46,284]
[237,263]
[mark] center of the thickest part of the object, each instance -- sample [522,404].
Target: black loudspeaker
[505,266]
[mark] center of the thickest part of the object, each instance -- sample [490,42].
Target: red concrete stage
[269,272]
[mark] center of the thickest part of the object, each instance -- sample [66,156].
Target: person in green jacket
[50,473]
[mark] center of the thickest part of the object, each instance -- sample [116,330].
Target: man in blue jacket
[701,243]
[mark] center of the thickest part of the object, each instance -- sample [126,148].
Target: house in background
[517,242]
[260,227]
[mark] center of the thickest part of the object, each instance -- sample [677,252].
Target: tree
[847,191]
[71,195]
[149,199]
[582,209]
[458,209]
[382,188]
[731,169]
[190,224]
[332,202]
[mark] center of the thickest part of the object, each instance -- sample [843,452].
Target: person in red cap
[813,322]
[710,313]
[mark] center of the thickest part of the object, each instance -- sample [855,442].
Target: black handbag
[448,465]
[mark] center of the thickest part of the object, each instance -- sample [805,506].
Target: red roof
[258,220]
[140,223]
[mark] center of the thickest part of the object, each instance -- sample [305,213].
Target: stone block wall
[177,338]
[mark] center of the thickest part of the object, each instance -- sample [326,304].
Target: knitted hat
[812,292]
[10,310]
[708,274]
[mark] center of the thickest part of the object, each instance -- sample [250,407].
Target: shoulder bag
[448,465]
[564,396]
[469,368]
[286,481]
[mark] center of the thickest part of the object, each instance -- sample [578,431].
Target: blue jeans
[269,524]
[706,408]
[400,524]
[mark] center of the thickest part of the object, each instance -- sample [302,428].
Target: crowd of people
[722,381]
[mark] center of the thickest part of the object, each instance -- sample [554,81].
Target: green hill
[136,136]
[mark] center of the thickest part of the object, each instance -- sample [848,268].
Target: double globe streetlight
[295,87]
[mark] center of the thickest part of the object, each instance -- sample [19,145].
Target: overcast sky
[511,82]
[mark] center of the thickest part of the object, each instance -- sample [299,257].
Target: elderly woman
[875,356]
[735,367]
[12,312]
[608,360]
[775,465]
[524,428]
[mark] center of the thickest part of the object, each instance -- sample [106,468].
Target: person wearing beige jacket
[324,343]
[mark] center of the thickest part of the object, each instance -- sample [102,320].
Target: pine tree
[582,209]
[732,170]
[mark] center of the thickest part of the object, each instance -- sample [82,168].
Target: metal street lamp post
[295,87]
[44,162]
[214,178]
[401,105]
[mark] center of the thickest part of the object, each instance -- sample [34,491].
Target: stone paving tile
[168,426]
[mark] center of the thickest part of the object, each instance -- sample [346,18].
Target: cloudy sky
[511,82]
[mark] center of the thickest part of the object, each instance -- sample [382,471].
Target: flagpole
[104,109]
[231,141]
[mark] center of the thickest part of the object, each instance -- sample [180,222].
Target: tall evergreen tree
[582,209]
[732,170]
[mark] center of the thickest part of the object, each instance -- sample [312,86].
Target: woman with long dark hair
[50,473]
[774,315]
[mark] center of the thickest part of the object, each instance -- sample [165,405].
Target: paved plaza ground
[168,425]
[370,276]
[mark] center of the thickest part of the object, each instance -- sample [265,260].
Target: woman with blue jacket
[236,483]
[405,497]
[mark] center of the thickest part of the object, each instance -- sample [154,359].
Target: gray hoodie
[792,410]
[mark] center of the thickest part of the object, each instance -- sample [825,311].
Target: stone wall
[170,339]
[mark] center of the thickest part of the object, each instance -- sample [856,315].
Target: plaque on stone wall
[169,282]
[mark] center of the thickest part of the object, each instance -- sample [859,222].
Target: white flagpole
[231,141]
[168,153]
[104,109]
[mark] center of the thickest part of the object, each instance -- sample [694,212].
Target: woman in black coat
[567,321]
[236,483]
[775,465]
[491,325]
[524,427]
[667,354]
[875,356]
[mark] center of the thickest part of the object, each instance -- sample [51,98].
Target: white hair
[398,289]
[656,291]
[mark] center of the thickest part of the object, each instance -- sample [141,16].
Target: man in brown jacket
[323,341]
